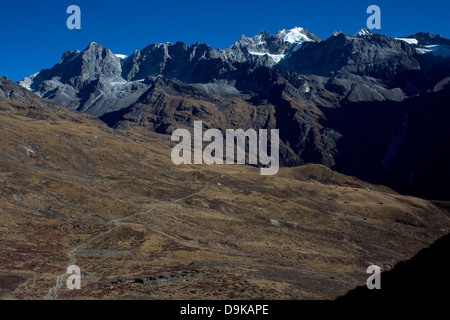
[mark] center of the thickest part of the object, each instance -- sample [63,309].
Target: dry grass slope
[74,191]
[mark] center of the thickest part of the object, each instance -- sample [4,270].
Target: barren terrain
[73,191]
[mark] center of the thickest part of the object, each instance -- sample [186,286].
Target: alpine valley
[87,178]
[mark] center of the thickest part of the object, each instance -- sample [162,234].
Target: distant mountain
[98,187]
[342,102]
[375,56]
[274,46]
[97,81]
[89,81]
[426,38]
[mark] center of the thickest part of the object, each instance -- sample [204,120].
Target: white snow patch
[121,56]
[260,41]
[115,83]
[364,32]
[408,40]
[26,83]
[295,35]
[423,51]
[275,57]
[435,49]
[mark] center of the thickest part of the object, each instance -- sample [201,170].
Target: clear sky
[33,34]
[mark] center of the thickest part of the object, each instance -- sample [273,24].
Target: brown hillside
[74,191]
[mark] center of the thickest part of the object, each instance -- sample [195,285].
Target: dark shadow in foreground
[424,277]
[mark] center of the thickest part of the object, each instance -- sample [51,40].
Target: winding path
[53,292]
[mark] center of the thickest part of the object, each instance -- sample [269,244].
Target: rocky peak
[68,56]
[297,35]
[9,90]
[77,68]
[426,38]
[364,32]
[268,49]
[376,56]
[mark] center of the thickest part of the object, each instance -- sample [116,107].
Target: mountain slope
[373,55]
[89,81]
[75,191]
[274,46]
[400,144]
[409,280]
[341,102]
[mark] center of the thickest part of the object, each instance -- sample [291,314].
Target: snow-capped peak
[275,46]
[364,32]
[295,35]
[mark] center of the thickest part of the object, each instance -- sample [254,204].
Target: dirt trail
[53,292]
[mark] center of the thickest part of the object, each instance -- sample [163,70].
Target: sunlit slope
[74,191]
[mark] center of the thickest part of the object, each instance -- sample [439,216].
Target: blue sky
[33,34]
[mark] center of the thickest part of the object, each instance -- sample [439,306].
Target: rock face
[9,90]
[343,102]
[175,61]
[272,47]
[96,81]
[89,81]
[426,38]
[400,144]
[372,55]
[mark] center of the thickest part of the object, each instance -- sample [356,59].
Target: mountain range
[109,200]
[87,177]
[366,105]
